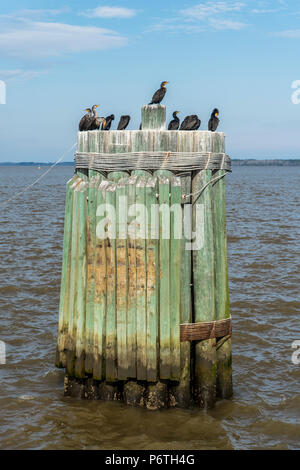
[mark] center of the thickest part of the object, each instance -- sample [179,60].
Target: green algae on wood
[65,277]
[224,354]
[204,290]
[152,279]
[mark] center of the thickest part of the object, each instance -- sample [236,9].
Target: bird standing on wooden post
[108,121]
[85,121]
[174,124]
[124,121]
[190,123]
[214,120]
[95,121]
[159,94]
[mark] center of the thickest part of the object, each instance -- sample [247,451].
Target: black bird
[159,94]
[214,120]
[140,128]
[108,122]
[190,123]
[95,121]
[174,124]
[124,121]
[85,121]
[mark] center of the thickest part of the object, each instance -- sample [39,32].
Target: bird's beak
[104,124]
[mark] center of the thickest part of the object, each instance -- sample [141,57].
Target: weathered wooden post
[144,311]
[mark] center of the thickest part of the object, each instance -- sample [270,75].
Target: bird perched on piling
[159,94]
[124,121]
[174,124]
[85,121]
[95,121]
[190,123]
[214,120]
[108,122]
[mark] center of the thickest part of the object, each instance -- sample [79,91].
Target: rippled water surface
[264,262]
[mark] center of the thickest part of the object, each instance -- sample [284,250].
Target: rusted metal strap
[205,330]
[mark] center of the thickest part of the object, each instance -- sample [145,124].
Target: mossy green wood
[94,182]
[224,355]
[83,146]
[90,286]
[100,289]
[175,275]
[111,314]
[141,289]
[204,292]
[152,279]
[116,176]
[153,117]
[71,343]
[65,277]
[182,392]
[81,280]
[164,290]
[93,146]
[122,278]
[132,280]
[186,142]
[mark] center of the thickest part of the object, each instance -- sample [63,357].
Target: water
[264,263]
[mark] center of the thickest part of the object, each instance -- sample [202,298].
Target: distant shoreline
[235,162]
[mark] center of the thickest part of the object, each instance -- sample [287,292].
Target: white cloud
[204,10]
[227,24]
[19,74]
[204,16]
[291,33]
[41,39]
[110,12]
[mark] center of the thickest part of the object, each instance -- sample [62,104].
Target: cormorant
[124,121]
[96,121]
[85,121]
[174,124]
[159,94]
[190,123]
[214,120]
[108,121]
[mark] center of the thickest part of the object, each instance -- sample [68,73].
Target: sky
[239,56]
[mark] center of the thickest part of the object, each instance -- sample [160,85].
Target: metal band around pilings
[173,161]
[205,330]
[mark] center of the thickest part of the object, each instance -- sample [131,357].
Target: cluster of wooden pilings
[124,297]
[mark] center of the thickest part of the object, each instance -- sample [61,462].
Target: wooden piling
[131,281]
[100,287]
[111,314]
[65,277]
[154,117]
[81,271]
[152,279]
[224,355]
[141,290]
[204,290]
[72,319]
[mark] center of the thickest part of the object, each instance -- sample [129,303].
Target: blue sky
[239,56]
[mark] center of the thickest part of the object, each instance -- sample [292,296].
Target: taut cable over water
[40,177]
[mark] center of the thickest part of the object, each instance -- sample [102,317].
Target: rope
[173,161]
[39,178]
[186,196]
